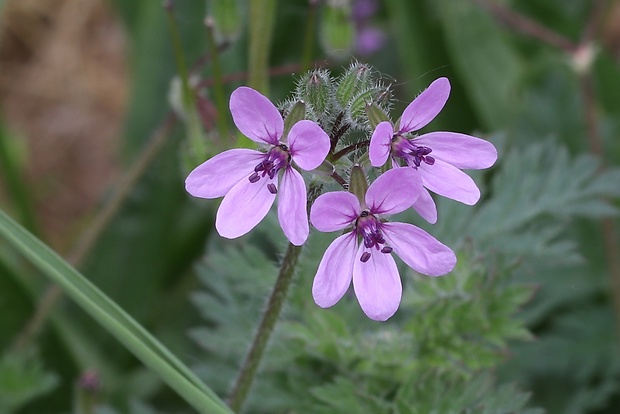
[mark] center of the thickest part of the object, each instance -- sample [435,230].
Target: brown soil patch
[63,89]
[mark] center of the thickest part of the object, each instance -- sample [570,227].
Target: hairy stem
[265,329]
[349,149]
[270,316]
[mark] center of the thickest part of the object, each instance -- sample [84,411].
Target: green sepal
[358,184]
[296,114]
[376,115]
[326,169]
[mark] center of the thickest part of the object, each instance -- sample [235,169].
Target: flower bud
[357,108]
[296,114]
[375,115]
[358,184]
[326,169]
[317,90]
[356,79]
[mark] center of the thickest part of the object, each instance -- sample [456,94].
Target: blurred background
[95,144]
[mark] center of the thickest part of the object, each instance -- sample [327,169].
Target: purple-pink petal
[426,106]
[245,205]
[425,206]
[308,144]
[216,176]
[377,284]
[418,249]
[448,181]
[460,150]
[394,191]
[255,116]
[335,271]
[292,203]
[334,211]
[379,149]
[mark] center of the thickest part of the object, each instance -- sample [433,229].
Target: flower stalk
[270,316]
[188,97]
[265,329]
[268,321]
[218,85]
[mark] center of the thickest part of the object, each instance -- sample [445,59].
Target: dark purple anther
[369,228]
[413,154]
[272,188]
[273,161]
[254,177]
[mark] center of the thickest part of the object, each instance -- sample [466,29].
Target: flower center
[274,160]
[413,154]
[369,228]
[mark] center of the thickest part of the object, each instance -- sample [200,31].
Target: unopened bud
[296,114]
[357,108]
[316,88]
[356,79]
[375,115]
[326,169]
[358,184]
[89,381]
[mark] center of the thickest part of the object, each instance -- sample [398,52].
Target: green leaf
[485,61]
[143,345]
[22,379]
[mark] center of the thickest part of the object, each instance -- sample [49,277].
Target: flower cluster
[251,180]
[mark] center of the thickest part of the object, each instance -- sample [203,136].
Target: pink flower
[369,264]
[438,157]
[249,179]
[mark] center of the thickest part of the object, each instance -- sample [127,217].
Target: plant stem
[194,129]
[188,96]
[349,149]
[265,329]
[309,36]
[218,85]
[262,17]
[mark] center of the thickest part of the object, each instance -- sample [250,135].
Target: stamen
[369,228]
[274,160]
[413,154]
[254,177]
[272,188]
